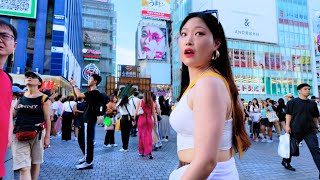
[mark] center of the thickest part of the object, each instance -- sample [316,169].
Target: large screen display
[246,19]
[152,43]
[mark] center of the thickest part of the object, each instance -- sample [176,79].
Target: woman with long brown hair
[145,124]
[209,118]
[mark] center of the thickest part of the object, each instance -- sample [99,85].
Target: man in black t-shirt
[86,128]
[302,123]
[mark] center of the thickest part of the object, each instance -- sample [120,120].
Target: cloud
[125,56]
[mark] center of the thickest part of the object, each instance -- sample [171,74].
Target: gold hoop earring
[214,57]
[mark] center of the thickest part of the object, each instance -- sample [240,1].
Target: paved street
[260,162]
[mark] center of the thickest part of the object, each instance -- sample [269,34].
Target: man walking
[86,129]
[302,123]
[8,37]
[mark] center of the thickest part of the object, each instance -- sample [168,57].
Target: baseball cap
[33,74]
[16,89]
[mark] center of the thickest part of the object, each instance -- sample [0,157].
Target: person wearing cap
[8,37]
[289,97]
[302,124]
[16,94]
[32,113]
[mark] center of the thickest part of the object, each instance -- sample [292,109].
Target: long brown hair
[222,65]
[147,99]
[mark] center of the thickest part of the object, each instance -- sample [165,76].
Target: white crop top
[181,120]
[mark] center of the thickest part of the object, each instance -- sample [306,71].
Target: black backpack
[100,107]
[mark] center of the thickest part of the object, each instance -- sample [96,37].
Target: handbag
[294,147]
[159,117]
[26,135]
[284,146]
[272,116]
[107,121]
[118,127]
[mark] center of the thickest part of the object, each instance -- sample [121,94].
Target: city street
[260,162]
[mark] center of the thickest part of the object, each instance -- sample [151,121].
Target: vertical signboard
[159,9]
[20,8]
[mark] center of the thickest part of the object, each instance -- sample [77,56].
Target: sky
[128,17]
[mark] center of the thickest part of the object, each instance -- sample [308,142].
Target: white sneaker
[94,143]
[123,150]
[108,146]
[84,165]
[115,145]
[165,140]
[300,144]
[75,138]
[264,140]
[82,160]
[270,141]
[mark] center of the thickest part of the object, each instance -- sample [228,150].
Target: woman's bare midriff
[187,155]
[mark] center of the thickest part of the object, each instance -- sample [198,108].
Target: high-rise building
[269,44]
[49,37]
[99,40]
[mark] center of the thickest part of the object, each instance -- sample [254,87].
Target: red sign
[155,14]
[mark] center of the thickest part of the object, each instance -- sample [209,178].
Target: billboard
[152,43]
[247,19]
[21,8]
[159,9]
[129,71]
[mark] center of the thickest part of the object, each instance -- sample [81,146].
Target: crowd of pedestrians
[31,118]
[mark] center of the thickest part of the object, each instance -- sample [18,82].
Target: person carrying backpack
[96,106]
[32,128]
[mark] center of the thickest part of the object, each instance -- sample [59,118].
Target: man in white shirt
[134,103]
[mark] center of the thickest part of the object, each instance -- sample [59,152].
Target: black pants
[134,128]
[313,145]
[125,125]
[66,128]
[90,138]
[256,128]
[109,138]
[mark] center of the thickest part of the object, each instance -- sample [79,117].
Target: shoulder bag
[272,116]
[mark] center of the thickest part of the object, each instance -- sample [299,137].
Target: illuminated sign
[129,71]
[88,70]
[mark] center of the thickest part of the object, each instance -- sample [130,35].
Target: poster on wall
[21,8]
[152,43]
[316,33]
[159,9]
[245,19]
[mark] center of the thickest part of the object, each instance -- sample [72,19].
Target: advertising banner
[159,9]
[246,20]
[21,8]
[91,52]
[316,33]
[129,71]
[152,43]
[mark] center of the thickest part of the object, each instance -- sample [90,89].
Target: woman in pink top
[145,124]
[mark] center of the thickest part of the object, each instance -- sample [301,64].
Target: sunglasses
[32,76]
[212,12]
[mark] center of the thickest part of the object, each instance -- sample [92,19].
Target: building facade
[99,40]
[47,43]
[264,65]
